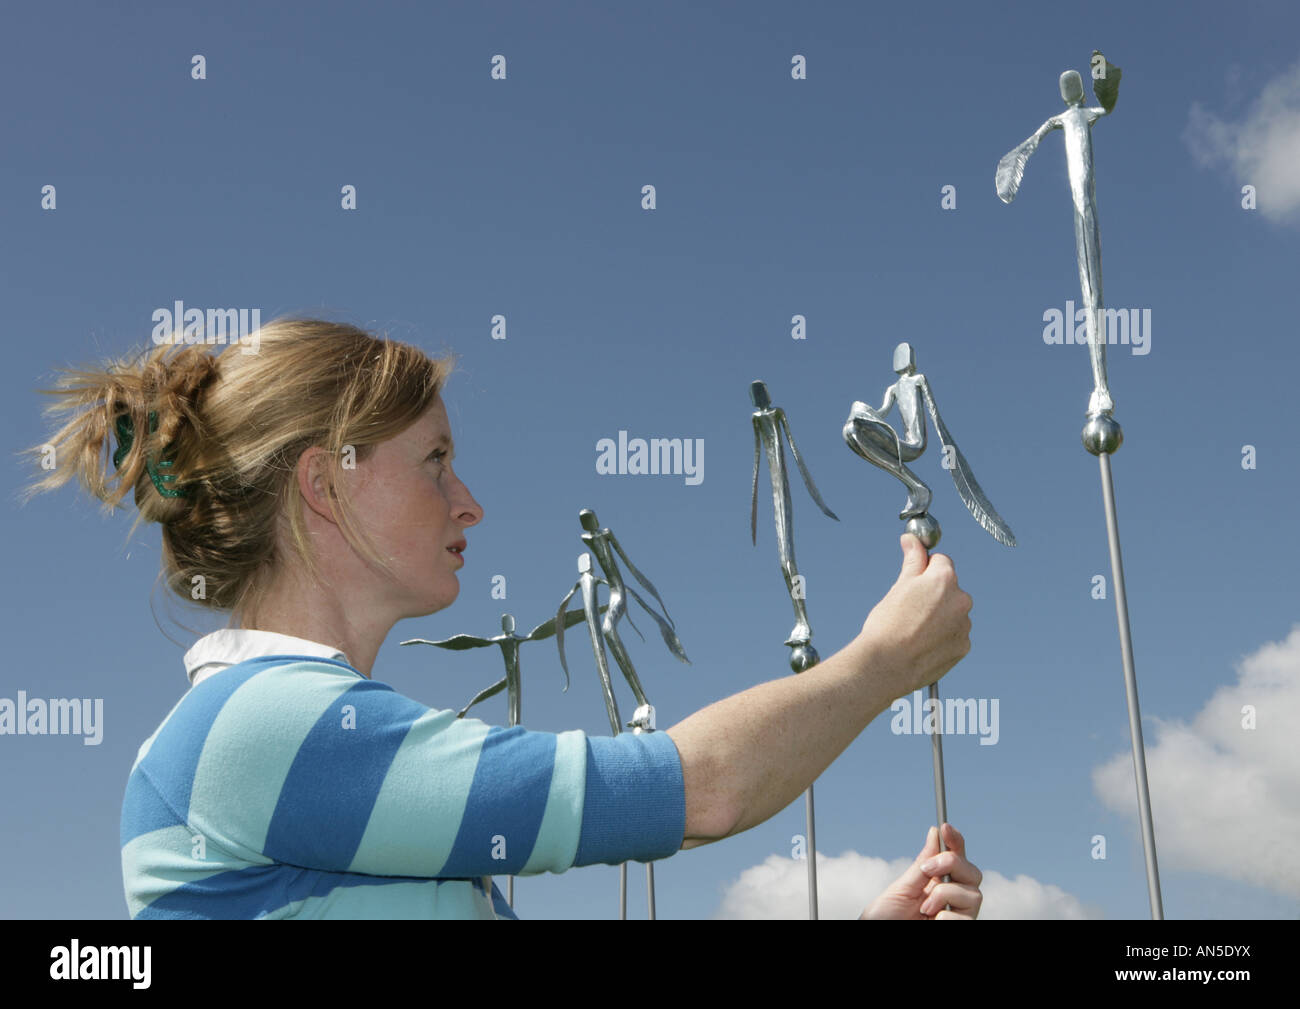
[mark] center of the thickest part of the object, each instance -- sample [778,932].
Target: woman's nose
[467,511]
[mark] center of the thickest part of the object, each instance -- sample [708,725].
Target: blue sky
[775,197]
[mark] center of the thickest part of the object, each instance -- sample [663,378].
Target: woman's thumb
[915,556]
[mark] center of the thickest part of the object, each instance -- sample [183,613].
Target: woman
[307,489]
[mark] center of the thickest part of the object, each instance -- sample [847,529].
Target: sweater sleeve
[306,764]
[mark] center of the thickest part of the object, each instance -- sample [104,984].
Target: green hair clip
[125,439]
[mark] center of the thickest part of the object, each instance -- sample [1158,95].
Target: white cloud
[778,888]
[1226,799]
[1262,150]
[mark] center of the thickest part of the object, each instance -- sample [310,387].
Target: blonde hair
[235,425]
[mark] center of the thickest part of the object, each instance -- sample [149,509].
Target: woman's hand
[921,629]
[920,893]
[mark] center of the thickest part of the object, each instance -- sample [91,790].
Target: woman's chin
[442,600]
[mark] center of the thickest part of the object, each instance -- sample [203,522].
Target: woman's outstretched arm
[747,757]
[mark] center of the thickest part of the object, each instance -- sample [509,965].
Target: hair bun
[194,375]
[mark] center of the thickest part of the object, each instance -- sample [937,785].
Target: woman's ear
[316,481]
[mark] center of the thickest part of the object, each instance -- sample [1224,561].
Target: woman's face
[415,510]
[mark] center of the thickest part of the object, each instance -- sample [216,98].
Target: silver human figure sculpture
[509,643]
[604,544]
[871,436]
[769,422]
[1102,435]
[1076,121]
[586,584]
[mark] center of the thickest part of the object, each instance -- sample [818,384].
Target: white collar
[228,646]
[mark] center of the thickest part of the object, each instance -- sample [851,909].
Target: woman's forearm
[749,756]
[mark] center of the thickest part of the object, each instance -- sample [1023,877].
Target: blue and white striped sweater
[290,786]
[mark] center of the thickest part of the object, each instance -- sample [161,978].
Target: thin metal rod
[936,737]
[622,892]
[1130,688]
[940,792]
[811,827]
[650,888]
[510,892]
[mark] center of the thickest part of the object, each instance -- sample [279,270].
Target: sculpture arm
[457,643]
[1011,169]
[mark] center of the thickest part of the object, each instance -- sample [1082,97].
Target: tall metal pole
[940,792]
[1102,436]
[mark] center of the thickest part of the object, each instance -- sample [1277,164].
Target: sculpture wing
[1106,87]
[639,577]
[483,695]
[1011,169]
[670,637]
[803,470]
[562,621]
[971,493]
[558,626]
[545,629]
[457,643]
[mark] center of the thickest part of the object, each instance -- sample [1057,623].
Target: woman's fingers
[964,901]
[949,863]
[959,899]
[953,839]
[914,879]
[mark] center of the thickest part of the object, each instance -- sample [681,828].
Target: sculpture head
[588,519]
[507,623]
[904,359]
[759,396]
[1072,87]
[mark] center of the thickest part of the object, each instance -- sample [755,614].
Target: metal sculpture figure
[1102,435]
[603,543]
[870,436]
[1077,121]
[586,584]
[509,643]
[769,422]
